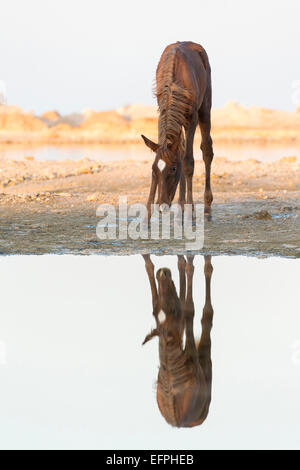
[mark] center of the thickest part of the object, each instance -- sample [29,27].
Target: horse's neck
[167,134]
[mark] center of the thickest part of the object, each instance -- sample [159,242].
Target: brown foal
[183,91]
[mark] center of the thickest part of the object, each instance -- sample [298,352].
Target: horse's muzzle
[164,208]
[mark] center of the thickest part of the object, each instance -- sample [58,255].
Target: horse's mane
[175,375]
[174,101]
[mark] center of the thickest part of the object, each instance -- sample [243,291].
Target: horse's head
[166,169]
[167,311]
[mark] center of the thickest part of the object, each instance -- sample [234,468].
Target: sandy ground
[50,207]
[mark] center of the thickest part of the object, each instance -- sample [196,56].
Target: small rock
[263,215]
[92,197]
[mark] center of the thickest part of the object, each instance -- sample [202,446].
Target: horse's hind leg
[182,186]
[207,153]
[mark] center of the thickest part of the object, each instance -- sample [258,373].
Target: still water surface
[74,373]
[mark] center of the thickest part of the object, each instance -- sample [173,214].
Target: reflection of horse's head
[167,311]
[184,378]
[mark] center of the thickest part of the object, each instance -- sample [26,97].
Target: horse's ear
[150,336]
[152,145]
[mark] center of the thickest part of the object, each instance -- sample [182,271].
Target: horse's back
[190,69]
[187,47]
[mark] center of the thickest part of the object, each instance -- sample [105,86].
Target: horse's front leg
[188,160]
[151,195]
[182,186]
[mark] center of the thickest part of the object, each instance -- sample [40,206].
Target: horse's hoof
[207,216]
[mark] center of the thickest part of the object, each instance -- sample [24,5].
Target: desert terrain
[234,122]
[50,207]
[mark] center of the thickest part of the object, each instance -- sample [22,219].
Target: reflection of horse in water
[185,372]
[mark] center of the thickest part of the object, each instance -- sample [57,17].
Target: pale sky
[73,54]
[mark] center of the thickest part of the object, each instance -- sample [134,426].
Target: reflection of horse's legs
[150,271]
[189,309]
[182,190]
[190,346]
[204,348]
